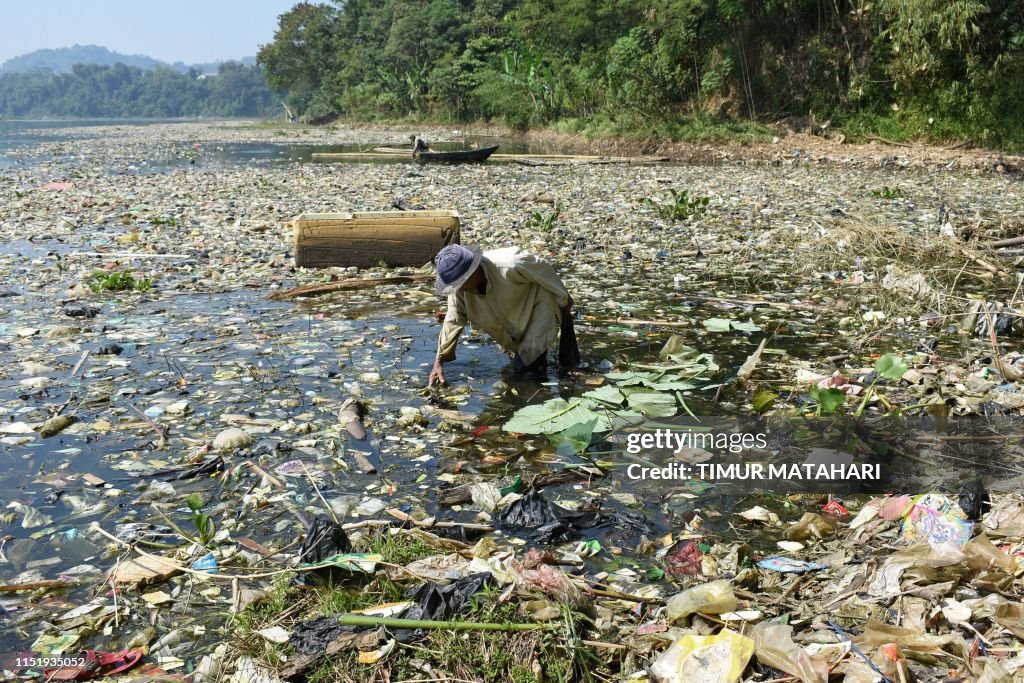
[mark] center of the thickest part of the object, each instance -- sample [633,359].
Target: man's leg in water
[537,367]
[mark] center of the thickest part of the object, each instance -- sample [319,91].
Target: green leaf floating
[575,439]
[651,403]
[828,399]
[606,394]
[556,415]
[763,400]
[891,366]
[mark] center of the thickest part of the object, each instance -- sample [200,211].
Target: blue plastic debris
[207,562]
[787,565]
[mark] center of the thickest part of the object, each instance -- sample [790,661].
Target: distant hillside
[210,67]
[61,60]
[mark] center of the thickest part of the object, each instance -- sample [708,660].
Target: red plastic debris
[684,559]
[836,509]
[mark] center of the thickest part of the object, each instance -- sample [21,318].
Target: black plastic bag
[324,539]
[974,500]
[550,522]
[433,602]
[312,637]
[568,348]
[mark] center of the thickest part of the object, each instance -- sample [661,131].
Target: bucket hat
[455,264]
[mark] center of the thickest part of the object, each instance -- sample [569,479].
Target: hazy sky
[189,31]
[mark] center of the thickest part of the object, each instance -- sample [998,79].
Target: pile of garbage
[203,484]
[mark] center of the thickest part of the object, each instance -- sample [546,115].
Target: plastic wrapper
[983,554]
[704,659]
[774,646]
[938,520]
[714,597]
[877,634]
[787,565]
[811,525]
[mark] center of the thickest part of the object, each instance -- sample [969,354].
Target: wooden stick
[124,254]
[629,598]
[887,141]
[1009,242]
[426,524]
[74,370]
[32,585]
[364,620]
[461,494]
[606,646]
[351,283]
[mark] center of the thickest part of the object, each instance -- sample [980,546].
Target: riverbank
[802,279]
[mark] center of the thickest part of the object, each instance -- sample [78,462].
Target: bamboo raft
[364,240]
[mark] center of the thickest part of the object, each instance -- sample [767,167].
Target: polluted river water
[196,212]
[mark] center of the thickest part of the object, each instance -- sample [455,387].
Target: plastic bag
[324,539]
[434,602]
[312,637]
[774,646]
[704,659]
[552,523]
[714,597]
[974,499]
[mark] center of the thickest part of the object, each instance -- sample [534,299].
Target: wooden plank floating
[538,159]
[367,239]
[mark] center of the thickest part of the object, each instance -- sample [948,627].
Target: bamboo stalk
[393,622]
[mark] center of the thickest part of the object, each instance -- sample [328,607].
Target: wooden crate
[364,240]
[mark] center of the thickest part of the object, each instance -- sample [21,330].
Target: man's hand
[437,374]
[568,306]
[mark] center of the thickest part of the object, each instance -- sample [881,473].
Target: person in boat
[512,295]
[418,145]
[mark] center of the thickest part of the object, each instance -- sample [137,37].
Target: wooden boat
[397,238]
[461,156]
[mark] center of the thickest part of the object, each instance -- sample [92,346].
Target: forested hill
[937,69]
[112,91]
[60,60]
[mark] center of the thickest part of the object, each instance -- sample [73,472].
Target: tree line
[114,91]
[937,69]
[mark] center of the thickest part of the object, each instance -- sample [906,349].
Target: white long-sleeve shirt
[521,308]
